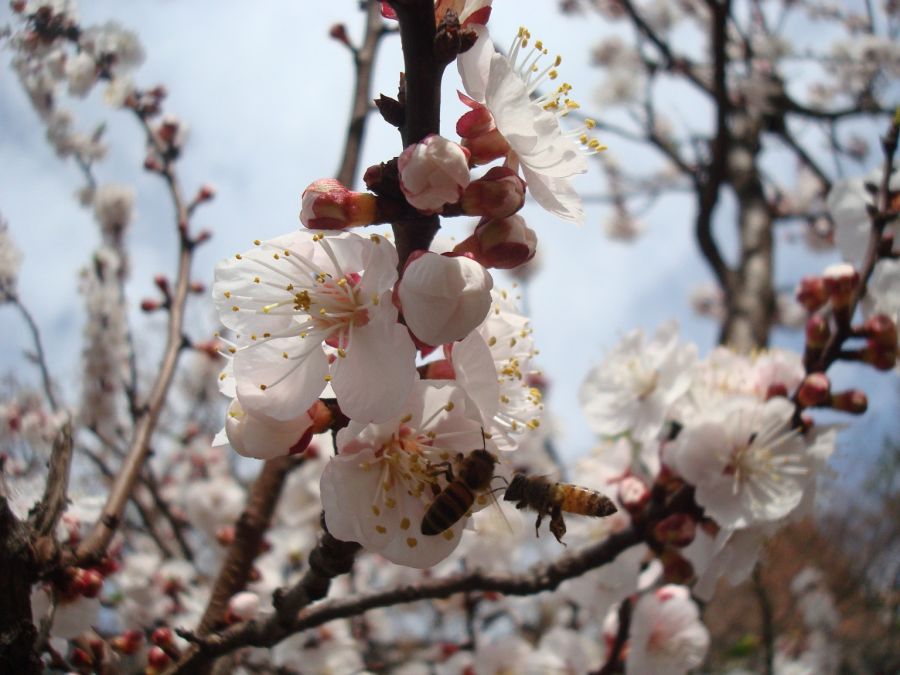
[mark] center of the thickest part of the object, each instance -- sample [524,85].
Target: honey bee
[455,500]
[551,499]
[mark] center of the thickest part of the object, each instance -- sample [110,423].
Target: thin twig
[96,542]
[40,356]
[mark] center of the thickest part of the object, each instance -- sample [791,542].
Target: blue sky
[266,94]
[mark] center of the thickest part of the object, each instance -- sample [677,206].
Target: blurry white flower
[666,635]
[637,382]
[10,260]
[81,72]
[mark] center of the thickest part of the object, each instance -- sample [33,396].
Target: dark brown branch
[268,631]
[615,653]
[423,106]
[768,626]
[363,61]
[17,568]
[708,192]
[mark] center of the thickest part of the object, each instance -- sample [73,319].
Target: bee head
[516,489]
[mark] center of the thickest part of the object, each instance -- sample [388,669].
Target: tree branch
[45,514]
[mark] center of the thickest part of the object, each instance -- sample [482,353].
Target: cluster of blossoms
[427,363]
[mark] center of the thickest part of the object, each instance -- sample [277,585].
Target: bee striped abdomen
[447,508]
[583,501]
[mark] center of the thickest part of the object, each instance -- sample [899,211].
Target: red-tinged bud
[225,535]
[881,330]
[881,357]
[197,287]
[81,658]
[157,658]
[497,194]
[162,637]
[107,565]
[149,305]
[448,649]
[812,293]
[18,6]
[328,205]
[486,147]
[439,370]
[339,32]
[817,332]
[202,237]
[815,390]
[852,401]
[475,123]
[676,568]
[677,530]
[88,582]
[162,283]
[775,390]
[168,130]
[387,11]
[152,164]
[205,193]
[841,281]
[633,494]
[506,243]
[322,417]
[253,575]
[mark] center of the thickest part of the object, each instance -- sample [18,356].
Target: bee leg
[537,524]
[557,524]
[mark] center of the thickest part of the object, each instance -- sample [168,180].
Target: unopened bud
[149,305]
[328,205]
[321,416]
[505,243]
[776,389]
[205,193]
[852,401]
[197,287]
[433,173]
[676,530]
[162,283]
[244,606]
[676,568]
[633,494]
[157,659]
[497,194]
[812,293]
[841,281]
[162,636]
[476,122]
[225,535]
[817,332]
[339,32]
[879,356]
[81,657]
[168,130]
[815,390]
[881,330]
[18,6]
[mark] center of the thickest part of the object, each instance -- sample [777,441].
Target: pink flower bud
[244,606]
[328,205]
[339,32]
[206,193]
[815,390]
[433,173]
[162,636]
[852,401]
[157,659]
[881,330]
[817,331]
[443,298]
[497,194]
[881,357]
[812,293]
[841,281]
[633,494]
[504,244]
[477,122]
[487,147]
